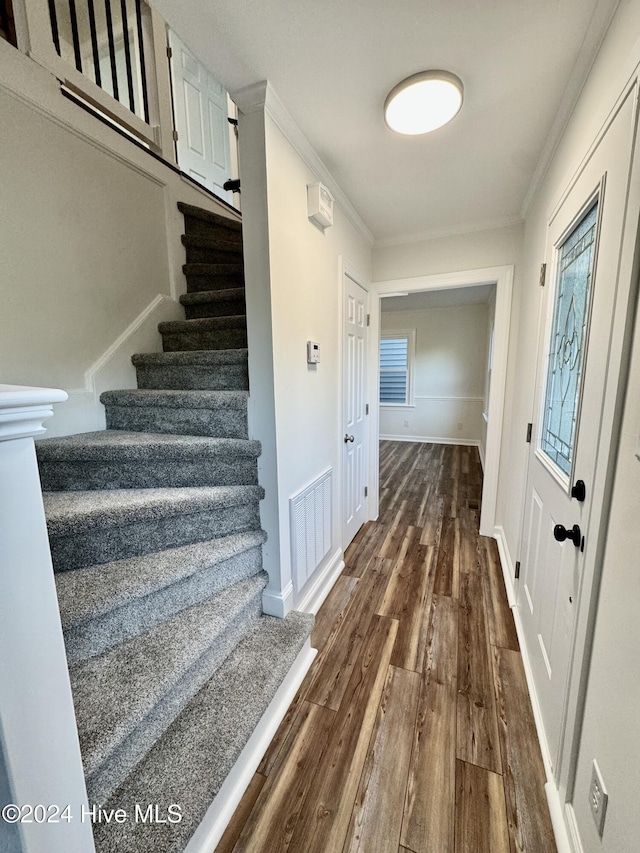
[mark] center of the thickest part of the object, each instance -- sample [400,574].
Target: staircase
[156,543]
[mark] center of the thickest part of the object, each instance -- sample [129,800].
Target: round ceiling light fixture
[423,102]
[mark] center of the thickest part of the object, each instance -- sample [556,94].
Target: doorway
[501,278]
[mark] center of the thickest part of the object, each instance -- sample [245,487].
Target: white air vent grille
[310,528]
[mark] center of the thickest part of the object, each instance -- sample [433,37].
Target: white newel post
[38,730]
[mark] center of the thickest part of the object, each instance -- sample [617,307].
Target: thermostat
[320,205]
[313,352]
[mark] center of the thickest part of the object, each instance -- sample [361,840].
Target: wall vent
[310,528]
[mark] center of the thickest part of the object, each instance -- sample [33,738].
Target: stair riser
[215,281]
[94,636]
[219,423]
[188,341]
[145,474]
[216,308]
[103,545]
[200,228]
[104,781]
[204,255]
[194,378]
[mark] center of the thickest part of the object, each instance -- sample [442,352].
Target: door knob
[560,533]
[348,438]
[579,490]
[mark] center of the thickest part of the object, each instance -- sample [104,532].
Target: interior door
[561,523]
[200,110]
[354,440]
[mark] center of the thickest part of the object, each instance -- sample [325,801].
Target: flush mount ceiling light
[423,102]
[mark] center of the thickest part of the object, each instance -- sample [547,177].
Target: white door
[354,437]
[561,523]
[201,113]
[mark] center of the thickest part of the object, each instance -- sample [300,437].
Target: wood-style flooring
[413,730]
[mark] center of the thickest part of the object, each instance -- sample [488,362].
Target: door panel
[583,248]
[200,109]
[354,417]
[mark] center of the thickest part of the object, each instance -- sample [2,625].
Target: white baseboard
[556,807]
[278,602]
[508,566]
[210,831]
[572,826]
[320,586]
[435,439]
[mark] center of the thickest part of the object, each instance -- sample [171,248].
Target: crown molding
[439,233]
[262,96]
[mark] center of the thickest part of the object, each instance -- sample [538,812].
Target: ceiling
[450,297]
[333,62]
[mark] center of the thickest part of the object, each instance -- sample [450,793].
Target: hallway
[413,730]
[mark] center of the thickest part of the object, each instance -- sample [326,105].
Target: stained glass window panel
[566,351]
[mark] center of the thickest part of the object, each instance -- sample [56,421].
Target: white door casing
[355,429]
[551,591]
[201,113]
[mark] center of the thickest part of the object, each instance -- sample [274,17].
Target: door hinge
[517,569]
[366,408]
[368,319]
[543,274]
[169,52]
[366,491]
[175,135]
[529,431]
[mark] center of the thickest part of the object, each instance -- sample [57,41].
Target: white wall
[611,728]
[292,273]
[90,245]
[448,376]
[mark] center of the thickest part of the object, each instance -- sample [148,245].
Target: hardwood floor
[413,730]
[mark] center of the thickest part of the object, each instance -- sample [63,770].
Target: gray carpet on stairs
[86,528]
[205,740]
[115,459]
[155,535]
[221,414]
[104,605]
[151,678]
[206,370]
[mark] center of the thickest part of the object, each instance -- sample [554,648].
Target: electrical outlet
[406,423]
[598,798]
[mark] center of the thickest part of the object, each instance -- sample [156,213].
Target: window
[396,361]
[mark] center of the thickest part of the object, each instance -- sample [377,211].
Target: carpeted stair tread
[118,691]
[119,445]
[220,370]
[217,413]
[103,605]
[100,526]
[201,241]
[95,590]
[204,324]
[213,269]
[176,399]
[202,297]
[75,512]
[191,760]
[116,459]
[198,358]
[208,216]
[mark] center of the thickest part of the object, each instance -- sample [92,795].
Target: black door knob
[560,533]
[579,491]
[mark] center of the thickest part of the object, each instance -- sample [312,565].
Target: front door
[354,438]
[201,113]
[561,520]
